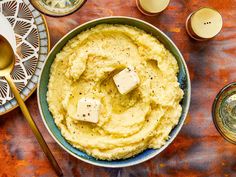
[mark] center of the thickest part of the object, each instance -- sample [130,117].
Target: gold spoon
[7,63]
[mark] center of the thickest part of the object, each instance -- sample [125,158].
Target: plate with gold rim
[27,31]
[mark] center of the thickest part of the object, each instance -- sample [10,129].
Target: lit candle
[152,7]
[204,24]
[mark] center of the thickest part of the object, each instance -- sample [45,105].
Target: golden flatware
[7,63]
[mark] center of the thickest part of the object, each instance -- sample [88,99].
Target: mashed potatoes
[128,124]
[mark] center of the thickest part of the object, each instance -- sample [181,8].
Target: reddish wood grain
[198,150]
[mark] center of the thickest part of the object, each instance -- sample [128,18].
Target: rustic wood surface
[198,150]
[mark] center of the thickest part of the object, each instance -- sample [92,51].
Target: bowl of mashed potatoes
[114,92]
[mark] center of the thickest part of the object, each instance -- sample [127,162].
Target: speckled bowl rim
[151,152]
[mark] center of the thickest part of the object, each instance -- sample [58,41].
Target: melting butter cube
[126,80]
[88,110]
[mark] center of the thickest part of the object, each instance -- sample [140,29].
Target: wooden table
[198,150]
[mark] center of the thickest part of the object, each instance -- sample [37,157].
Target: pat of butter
[88,110]
[126,80]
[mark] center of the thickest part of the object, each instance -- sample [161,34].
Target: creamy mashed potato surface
[128,124]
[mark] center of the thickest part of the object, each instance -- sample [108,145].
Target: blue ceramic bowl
[48,120]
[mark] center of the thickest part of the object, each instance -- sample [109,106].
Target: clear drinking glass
[224,112]
[57,8]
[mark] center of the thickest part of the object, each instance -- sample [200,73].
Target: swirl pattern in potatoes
[128,124]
